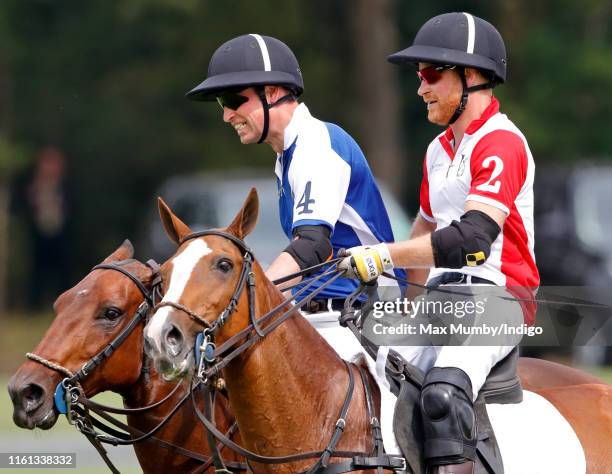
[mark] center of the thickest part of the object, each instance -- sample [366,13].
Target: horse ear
[175,228]
[123,252]
[245,220]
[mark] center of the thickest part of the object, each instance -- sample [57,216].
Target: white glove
[366,262]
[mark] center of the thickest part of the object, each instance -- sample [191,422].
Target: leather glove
[366,262]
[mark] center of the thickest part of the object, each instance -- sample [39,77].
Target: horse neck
[292,372]
[179,430]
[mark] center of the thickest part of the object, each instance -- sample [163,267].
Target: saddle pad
[534,438]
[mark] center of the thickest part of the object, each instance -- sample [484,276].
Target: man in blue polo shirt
[328,198]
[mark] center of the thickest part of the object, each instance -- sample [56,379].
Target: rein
[505,298]
[211,360]
[357,461]
[209,368]
[218,353]
[69,393]
[305,271]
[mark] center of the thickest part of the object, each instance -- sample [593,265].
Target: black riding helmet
[462,40]
[251,61]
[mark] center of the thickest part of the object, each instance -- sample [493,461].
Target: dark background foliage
[104,81]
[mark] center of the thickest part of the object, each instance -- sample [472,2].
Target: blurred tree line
[104,80]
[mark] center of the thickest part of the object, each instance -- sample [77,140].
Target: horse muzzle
[168,350]
[32,404]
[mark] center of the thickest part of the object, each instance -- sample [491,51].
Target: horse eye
[112,313]
[225,265]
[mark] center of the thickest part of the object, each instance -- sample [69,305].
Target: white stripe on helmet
[471,33]
[264,51]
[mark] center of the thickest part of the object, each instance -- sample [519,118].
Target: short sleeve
[425,209]
[499,168]
[319,184]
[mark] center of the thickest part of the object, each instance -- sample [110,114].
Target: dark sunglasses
[433,74]
[231,100]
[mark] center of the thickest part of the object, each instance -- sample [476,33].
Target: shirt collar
[300,114]
[473,127]
[475,124]
[489,112]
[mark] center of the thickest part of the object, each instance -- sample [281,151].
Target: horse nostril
[32,397]
[174,340]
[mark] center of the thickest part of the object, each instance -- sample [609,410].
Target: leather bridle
[246,277]
[73,380]
[212,359]
[70,399]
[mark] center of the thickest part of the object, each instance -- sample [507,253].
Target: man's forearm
[416,252]
[415,275]
[413,253]
[283,265]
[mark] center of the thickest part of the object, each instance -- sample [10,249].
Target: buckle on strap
[396,463]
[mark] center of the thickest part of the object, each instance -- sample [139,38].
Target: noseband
[212,359]
[209,371]
[69,393]
[205,340]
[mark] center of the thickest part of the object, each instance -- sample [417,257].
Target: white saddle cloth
[531,435]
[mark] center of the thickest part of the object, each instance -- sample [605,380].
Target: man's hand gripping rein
[366,262]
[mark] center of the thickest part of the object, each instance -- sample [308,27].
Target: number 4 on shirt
[305,201]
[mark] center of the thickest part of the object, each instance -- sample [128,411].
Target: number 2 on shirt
[305,201]
[489,186]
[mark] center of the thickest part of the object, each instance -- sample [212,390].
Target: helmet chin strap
[465,92]
[266,108]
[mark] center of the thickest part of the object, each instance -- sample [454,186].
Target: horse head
[88,317]
[204,276]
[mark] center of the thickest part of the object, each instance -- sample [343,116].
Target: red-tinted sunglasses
[433,74]
[231,100]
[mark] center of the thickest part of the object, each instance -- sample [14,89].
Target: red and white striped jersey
[492,165]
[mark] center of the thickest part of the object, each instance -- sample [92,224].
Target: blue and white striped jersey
[324,179]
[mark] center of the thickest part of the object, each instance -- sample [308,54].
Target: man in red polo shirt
[475,224]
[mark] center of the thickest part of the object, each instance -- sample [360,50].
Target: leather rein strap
[123,440]
[211,371]
[358,460]
[83,420]
[86,423]
[118,438]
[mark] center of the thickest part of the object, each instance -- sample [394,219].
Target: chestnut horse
[89,316]
[287,389]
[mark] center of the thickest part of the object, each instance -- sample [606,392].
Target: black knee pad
[448,416]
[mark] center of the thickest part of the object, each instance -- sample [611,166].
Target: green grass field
[20,334]
[62,434]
